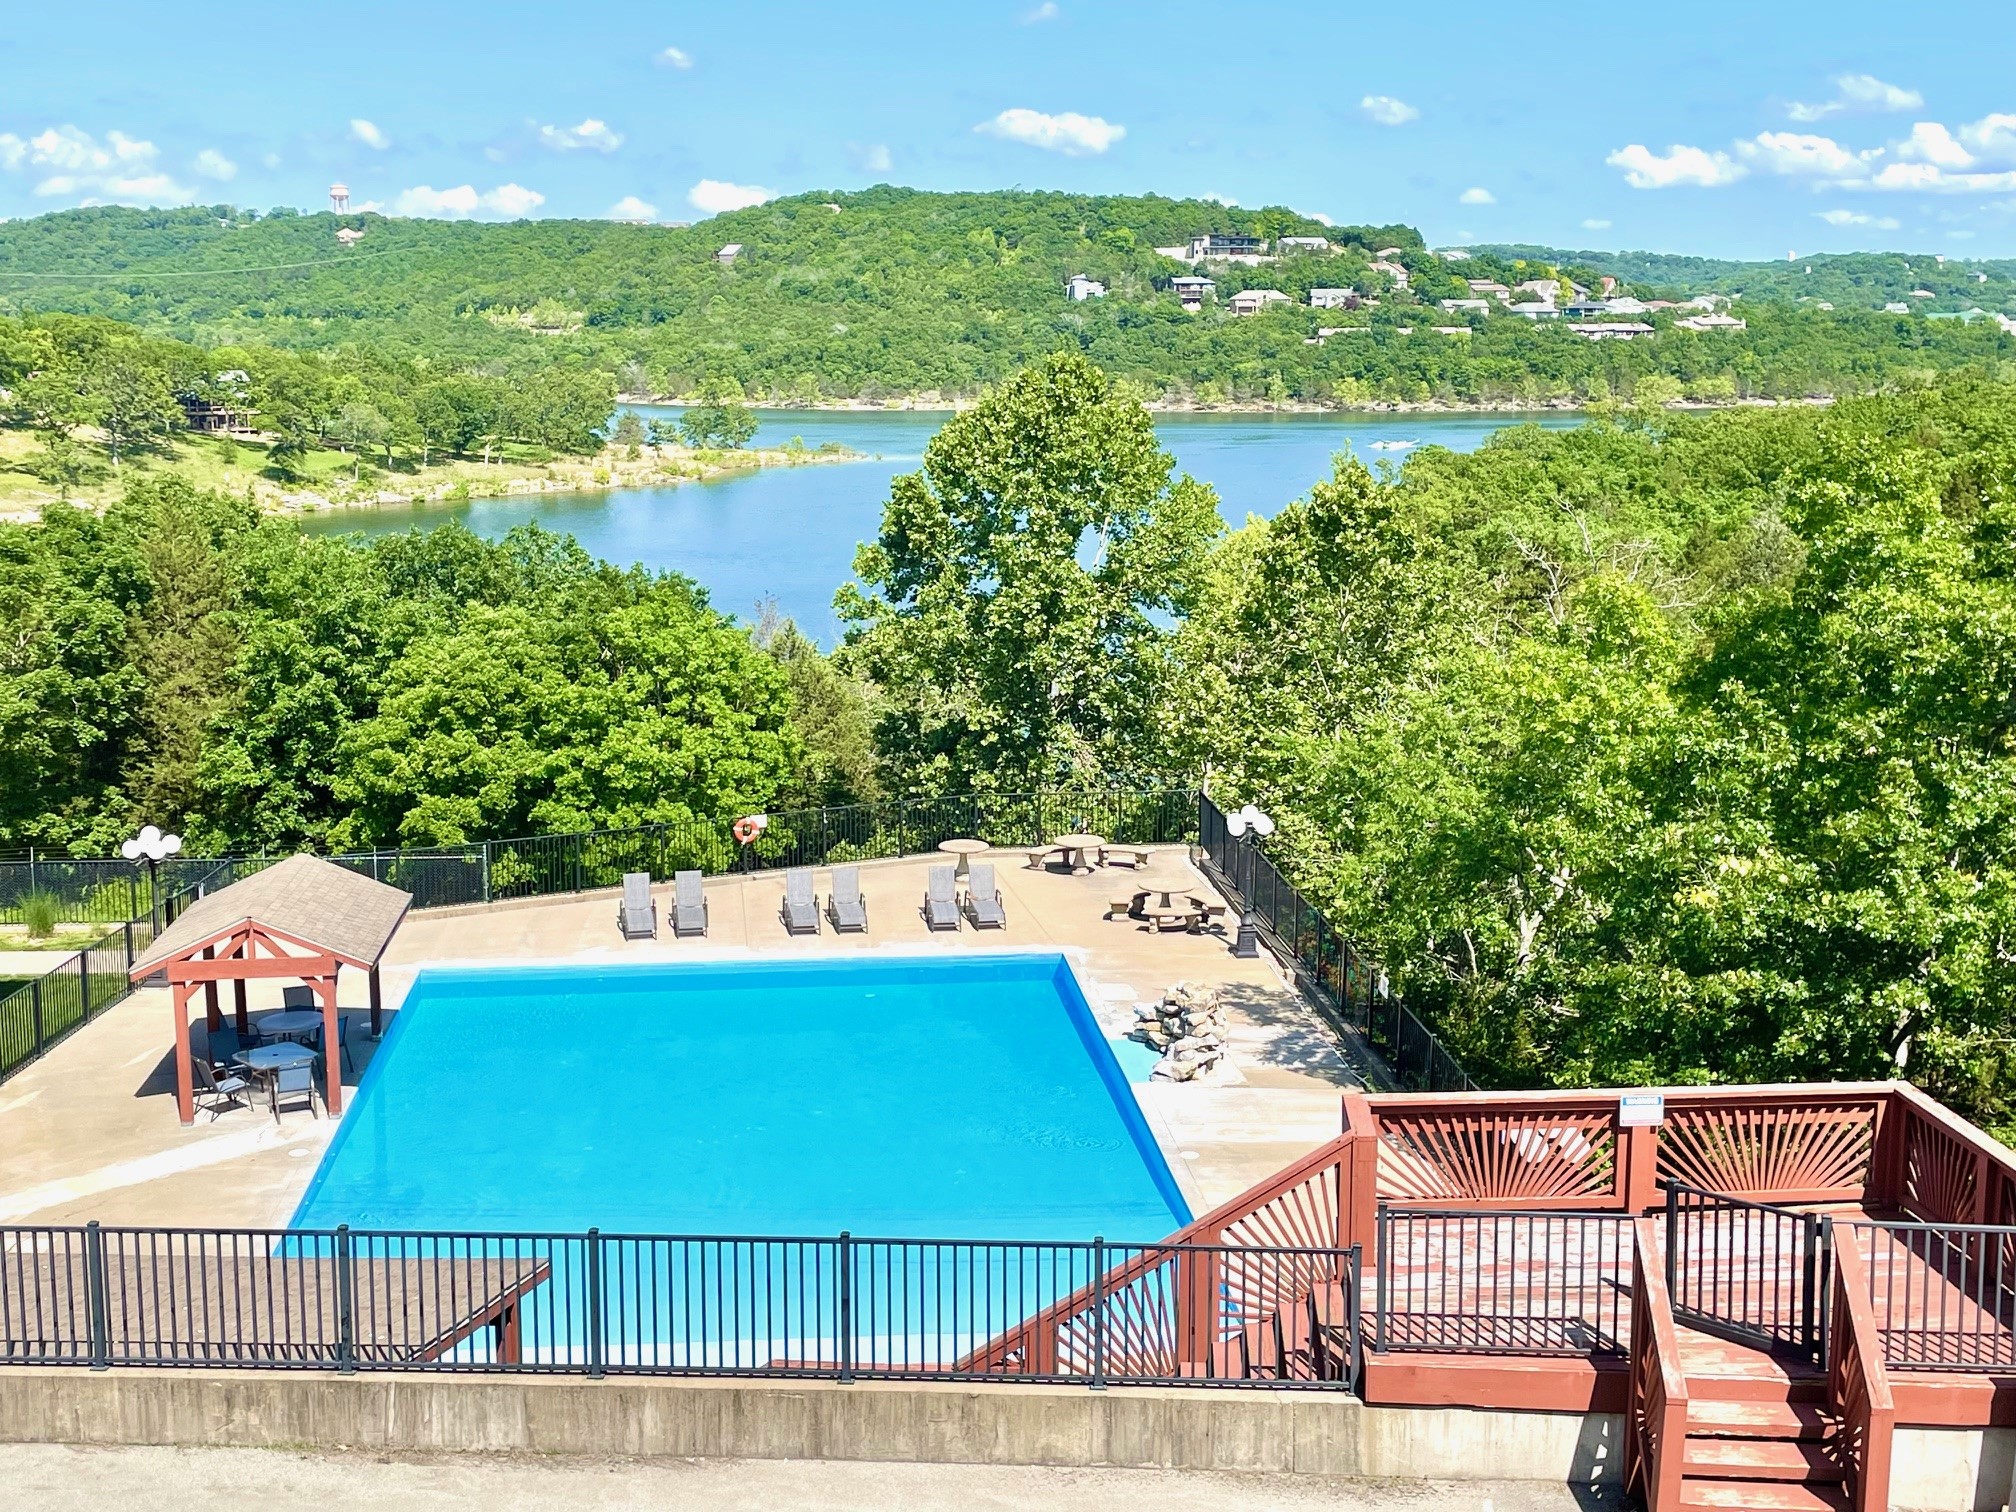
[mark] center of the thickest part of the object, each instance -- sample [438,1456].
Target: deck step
[1760,1459]
[1759,1496]
[1756,1420]
[1709,1386]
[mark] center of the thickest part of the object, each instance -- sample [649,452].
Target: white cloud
[1858,93]
[872,158]
[364,131]
[271,160]
[1476,197]
[1993,136]
[212,164]
[1388,111]
[1070,133]
[119,168]
[631,208]
[1317,216]
[1930,178]
[714,196]
[674,57]
[1930,142]
[1646,169]
[1856,218]
[1049,10]
[509,200]
[592,134]
[1593,224]
[1795,152]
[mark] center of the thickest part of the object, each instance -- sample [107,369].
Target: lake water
[789,533]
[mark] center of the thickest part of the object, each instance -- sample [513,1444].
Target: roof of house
[305,898]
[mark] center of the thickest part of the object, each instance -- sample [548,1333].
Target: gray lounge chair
[292,1081]
[215,1092]
[941,905]
[689,904]
[637,915]
[844,904]
[801,905]
[983,899]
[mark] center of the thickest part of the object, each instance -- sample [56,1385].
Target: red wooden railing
[1858,1388]
[1655,1441]
[1938,1168]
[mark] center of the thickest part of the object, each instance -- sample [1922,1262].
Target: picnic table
[1077,850]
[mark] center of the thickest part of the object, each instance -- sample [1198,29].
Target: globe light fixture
[153,847]
[1252,826]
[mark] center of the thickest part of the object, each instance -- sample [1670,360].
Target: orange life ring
[748,829]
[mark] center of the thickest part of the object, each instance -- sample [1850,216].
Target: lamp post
[153,847]
[1251,826]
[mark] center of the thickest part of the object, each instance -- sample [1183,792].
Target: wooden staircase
[1759,1435]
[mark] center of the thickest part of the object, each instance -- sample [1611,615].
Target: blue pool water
[969,1097]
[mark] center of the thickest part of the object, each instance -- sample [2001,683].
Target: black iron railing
[1324,960]
[1509,1283]
[1943,1294]
[596,1304]
[1749,1271]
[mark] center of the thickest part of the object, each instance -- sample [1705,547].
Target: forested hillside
[892,292]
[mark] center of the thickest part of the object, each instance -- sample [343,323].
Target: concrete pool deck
[89,1132]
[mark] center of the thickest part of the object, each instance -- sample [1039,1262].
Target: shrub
[39,913]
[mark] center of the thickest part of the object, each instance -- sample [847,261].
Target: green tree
[1012,611]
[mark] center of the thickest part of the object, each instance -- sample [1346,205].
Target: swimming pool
[960,1097]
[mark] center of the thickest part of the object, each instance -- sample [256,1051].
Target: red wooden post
[377,1006]
[332,1049]
[238,1005]
[1197,1304]
[1358,1172]
[213,1014]
[185,1071]
[1638,1161]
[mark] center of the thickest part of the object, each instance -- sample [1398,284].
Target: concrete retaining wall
[1305,1433]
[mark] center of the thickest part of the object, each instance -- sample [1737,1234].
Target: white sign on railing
[1641,1110]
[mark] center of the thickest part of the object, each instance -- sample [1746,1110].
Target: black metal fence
[1943,1295]
[1325,961]
[1747,1270]
[597,1304]
[1503,1283]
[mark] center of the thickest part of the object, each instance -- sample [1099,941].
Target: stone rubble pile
[1188,1027]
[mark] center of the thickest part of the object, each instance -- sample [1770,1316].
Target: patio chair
[343,1040]
[983,899]
[215,1093]
[689,904]
[296,997]
[220,1046]
[637,915]
[941,905]
[844,904]
[801,904]
[292,1081]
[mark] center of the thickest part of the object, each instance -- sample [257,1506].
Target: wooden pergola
[302,918]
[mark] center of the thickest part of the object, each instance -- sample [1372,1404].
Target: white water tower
[339,198]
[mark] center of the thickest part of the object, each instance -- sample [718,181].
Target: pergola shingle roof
[324,906]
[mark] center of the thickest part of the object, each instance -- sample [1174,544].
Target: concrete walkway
[62,1477]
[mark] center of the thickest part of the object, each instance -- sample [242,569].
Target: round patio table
[965,850]
[267,1059]
[1077,850]
[289,1024]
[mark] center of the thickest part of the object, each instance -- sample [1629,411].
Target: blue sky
[1711,128]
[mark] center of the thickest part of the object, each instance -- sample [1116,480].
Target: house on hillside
[1191,290]
[1393,271]
[1475,306]
[1253,301]
[1535,309]
[1334,299]
[1548,289]
[1078,288]
[1497,291]
[1613,330]
[1305,244]
[728,254]
[1624,304]
[1711,323]
[349,236]
[1215,246]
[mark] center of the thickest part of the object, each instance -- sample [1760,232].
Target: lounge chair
[801,904]
[844,904]
[637,915]
[215,1092]
[941,905]
[689,904]
[983,899]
